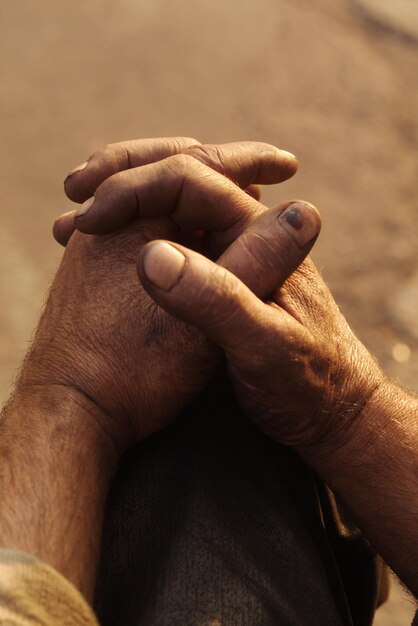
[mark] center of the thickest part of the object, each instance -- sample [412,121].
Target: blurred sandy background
[334,81]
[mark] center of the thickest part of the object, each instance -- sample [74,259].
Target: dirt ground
[321,79]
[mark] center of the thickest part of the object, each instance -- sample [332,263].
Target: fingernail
[86,206]
[79,168]
[163,265]
[66,217]
[290,155]
[302,222]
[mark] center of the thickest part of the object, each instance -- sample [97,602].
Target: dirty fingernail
[64,227]
[163,265]
[77,169]
[67,217]
[288,154]
[86,206]
[302,221]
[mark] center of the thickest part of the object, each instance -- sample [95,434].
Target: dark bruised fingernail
[293,216]
[302,221]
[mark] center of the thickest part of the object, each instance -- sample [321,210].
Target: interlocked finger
[83,181]
[196,187]
[244,160]
[223,299]
[192,194]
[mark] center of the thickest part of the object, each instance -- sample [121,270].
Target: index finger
[245,162]
[199,189]
[83,181]
[201,182]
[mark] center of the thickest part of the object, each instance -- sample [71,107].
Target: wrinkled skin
[101,335]
[314,376]
[299,371]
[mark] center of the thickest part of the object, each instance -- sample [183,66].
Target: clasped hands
[220,276]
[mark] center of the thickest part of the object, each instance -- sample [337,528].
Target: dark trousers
[209,522]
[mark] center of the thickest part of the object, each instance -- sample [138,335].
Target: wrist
[78,381]
[361,438]
[56,467]
[354,381]
[44,416]
[374,472]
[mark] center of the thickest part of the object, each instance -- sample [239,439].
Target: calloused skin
[107,366]
[303,377]
[100,332]
[299,372]
[104,349]
[336,375]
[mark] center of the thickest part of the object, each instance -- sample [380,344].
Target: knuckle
[182,143]
[210,155]
[180,164]
[186,168]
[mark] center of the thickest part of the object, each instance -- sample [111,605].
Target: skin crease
[294,383]
[306,380]
[107,368]
[117,356]
[299,296]
[299,372]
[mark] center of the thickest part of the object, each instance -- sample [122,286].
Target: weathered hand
[153,177]
[107,360]
[103,336]
[299,372]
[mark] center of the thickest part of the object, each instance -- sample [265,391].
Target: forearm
[373,468]
[55,471]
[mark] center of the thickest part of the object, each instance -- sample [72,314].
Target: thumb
[201,293]
[222,299]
